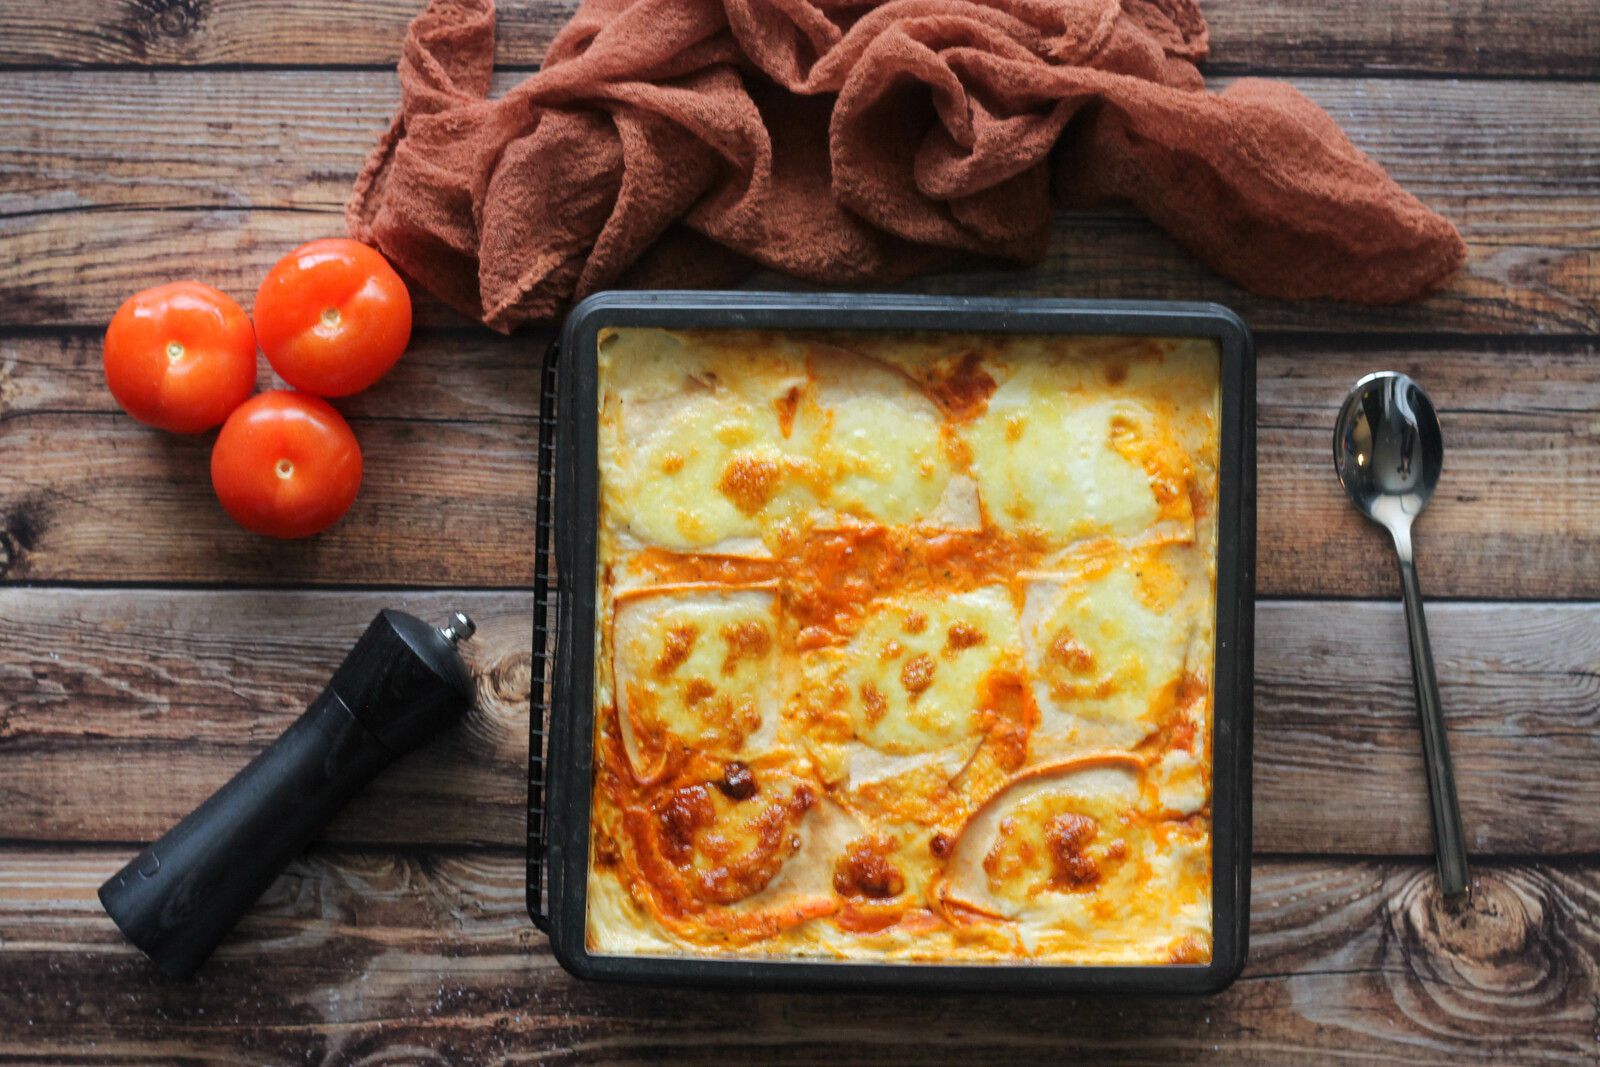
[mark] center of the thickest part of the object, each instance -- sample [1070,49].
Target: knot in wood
[152,20]
[1498,924]
[510,679]
[17,538]
[1498,953]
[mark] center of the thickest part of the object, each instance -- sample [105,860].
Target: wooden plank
[107,181]
[125,708]
[422,957]
[172,692]
[446,504]
[1336,730]
[1517,159]
[1475,37]
[465,376]
[1517,511]
[448,443]
[1553,37]
[92,496]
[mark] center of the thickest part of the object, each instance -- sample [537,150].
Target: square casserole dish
[563,796]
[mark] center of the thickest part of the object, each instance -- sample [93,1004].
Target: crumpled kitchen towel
[681,142]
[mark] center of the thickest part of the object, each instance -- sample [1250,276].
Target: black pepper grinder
[402,683]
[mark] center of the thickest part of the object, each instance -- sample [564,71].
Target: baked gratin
[905,647]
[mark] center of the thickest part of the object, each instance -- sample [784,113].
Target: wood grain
[92,496]
[111,178]
[428,958]
[126,708]
[1517,159]
[1554,37]
[1517,511]
[472,376]
[123,710]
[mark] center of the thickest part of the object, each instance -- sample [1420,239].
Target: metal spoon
[1388,452]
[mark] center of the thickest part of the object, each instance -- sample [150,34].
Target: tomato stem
[174,351]
[285,469]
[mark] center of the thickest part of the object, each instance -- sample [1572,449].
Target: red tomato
[286,465]
[333,317]
[180,356]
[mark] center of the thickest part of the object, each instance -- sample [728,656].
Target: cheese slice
[736,868]
[1075,463]
[1106,644]
[881,447]
[694,453]
[1057,830]
[696,667]
[908,682]
[1068,860]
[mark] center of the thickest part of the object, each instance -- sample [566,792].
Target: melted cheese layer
[905,647]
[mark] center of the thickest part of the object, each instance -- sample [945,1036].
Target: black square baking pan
[562,725]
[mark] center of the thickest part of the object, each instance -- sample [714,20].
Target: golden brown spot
[811,638]
[1116,373]
[941,844]
[1067,836]
[1070,654]
[786,405]
[680,642]
[740,717]
[917,674]
[1167,489]
[1124,433]
[672,462]
[891,650]
[873,703]
[750,481]
[746,640]
[737,783]
[957,450]
[962,635]
[1192,689]
[963,392]
[697,690]
[865,871]
[1182,735]
[916,622]
[1003,864]
[685,811]
[1190,950]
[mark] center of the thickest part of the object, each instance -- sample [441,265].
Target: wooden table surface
[150,648]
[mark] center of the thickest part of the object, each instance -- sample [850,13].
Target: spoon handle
[1449,845]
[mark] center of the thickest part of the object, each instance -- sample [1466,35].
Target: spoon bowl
[1389,452]
[1387,448]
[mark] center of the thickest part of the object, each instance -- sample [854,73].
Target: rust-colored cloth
[681,142]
